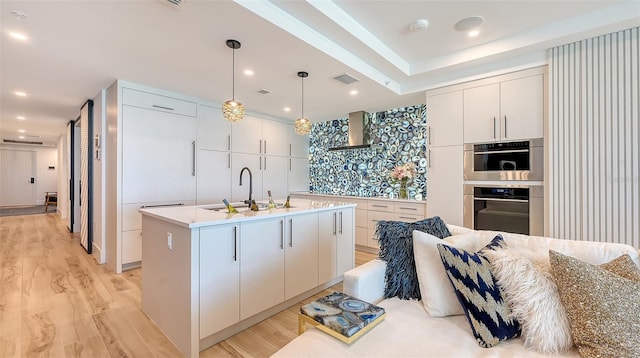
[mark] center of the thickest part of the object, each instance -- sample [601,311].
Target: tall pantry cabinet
[151,161]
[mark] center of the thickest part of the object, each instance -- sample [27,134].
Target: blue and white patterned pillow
[470,274]
[396,248]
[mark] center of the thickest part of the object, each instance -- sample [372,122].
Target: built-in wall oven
[505,207]
[520,160]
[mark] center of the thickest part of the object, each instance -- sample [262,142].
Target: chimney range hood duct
[359,131]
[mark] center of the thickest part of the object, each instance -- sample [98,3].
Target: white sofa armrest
[366,282]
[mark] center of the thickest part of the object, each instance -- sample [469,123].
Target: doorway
[18,184]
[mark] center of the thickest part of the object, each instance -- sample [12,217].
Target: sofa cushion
[602,306]
[396,248]
[438,296]
[481,298]
[534,300]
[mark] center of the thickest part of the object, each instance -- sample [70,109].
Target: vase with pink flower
[402,174]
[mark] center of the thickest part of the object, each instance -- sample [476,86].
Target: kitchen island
[209,274]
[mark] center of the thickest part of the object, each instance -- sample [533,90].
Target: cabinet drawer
[159,103]
[362,204]
[409,218]
[410,208]
[374,216]
[372,239]
[131,246]
[361,236]
[379,205]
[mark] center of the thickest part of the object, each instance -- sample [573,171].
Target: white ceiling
[76,48]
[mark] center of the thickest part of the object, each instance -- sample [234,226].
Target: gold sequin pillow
[602,305]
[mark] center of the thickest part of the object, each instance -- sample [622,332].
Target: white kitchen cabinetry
[219,278]
[269,173]
[508,110]
[444,151]
[336,244]
[261,265]
[445,183]
[301,254]
[154,138]
[298,174]
[214,132]
[214,176]
[444,119]
[158,162]
[299,144]
[253,135]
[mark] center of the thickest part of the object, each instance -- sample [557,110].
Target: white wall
[99,237]
[63,179]
[46,179]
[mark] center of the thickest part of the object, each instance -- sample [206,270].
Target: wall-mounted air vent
[346,78]
[264,91]
[13,141]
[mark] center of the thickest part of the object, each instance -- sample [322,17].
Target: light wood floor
[55,301]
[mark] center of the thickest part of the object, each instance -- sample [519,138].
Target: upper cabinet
[444,119]
[298,144]
[253,135]
[508,110]
[214,132]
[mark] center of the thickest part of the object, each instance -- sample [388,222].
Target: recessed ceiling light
[18,36]
[287,109]
[21,118]
[21,137]
[473,33]
[248,72]
[469,23]
[353,92]
[418,25]
[21,131]
[20,93]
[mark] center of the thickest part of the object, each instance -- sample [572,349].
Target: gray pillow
[396,248]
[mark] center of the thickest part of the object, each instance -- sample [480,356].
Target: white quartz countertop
[209,215]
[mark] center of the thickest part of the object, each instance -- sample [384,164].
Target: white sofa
[409,331]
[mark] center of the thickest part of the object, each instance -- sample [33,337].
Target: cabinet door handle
[229,161]
[408,218]
[290,149]
[429,158]
[260,162]
[162,107]
[494,127]
[265,146]
[429,135]
[291,233]
[412,209]
[379,206]
[281,234]
[260,147]
[341,223]
[235,243]
[265,163]
[505,126]
[193,171]
[334,223]
[229,142]
[289,164]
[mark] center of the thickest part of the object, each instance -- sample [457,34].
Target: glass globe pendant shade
[302,126]
[233,111]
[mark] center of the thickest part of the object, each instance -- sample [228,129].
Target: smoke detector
[418,25]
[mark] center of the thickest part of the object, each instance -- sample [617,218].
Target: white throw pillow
[535,301]
[438,296]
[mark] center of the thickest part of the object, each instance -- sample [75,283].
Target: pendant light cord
[233,75]
[302,79]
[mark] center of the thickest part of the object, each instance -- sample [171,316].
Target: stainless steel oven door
[509,208]
[506,164]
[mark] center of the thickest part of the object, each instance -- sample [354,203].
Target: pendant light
[302,125]
[233,110]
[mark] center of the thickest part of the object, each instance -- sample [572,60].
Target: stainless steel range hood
[359,131]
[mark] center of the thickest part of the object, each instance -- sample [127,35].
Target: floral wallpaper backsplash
[398,136]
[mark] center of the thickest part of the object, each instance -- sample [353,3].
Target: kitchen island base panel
[253,320]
